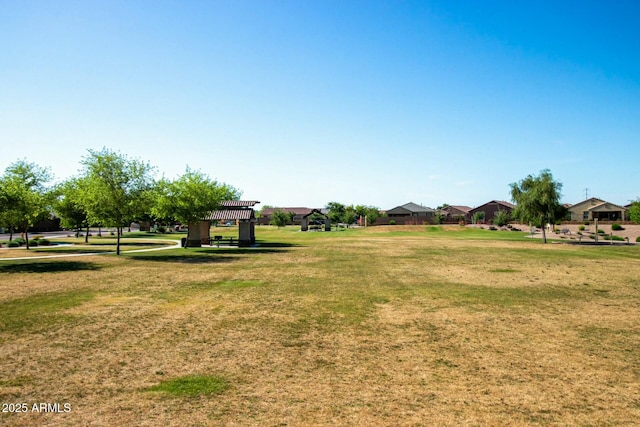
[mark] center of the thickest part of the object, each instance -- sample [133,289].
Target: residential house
[491,208]
[595,208]
[453,214]
[409,213]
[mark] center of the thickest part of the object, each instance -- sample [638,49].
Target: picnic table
[221,239]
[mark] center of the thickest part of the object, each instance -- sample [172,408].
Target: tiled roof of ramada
[230,214]
[239,203]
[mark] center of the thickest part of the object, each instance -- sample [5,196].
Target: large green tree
[336,212]
[9,216]
[349,216]
[279,218]
[537,200]
[69,205]
[371,213]
[190,198]
[116,190]
[24,196]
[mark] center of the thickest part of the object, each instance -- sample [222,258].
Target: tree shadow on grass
[242,251]
[260,244]
[125,244]
[48,267]
[183,259]
[259,248]
[210,255]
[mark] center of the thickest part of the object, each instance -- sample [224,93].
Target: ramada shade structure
[239,211]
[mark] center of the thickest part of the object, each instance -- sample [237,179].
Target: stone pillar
[193,235]
[303,224]
[327,225]
[205,234]
[244,233]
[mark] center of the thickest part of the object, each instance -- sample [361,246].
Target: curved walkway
[176,245]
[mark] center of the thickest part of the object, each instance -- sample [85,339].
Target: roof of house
[606,206]
[595,203]
[591,201]
[458,207]
[497,202]
[413,207]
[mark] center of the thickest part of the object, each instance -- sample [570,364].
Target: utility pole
[586,193]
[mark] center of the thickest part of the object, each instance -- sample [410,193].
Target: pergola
[304,224]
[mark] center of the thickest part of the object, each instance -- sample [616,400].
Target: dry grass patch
[362,327]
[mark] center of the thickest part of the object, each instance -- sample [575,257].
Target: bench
[220,239]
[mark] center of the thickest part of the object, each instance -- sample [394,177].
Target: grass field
[381,326]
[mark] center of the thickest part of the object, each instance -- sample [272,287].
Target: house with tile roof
[410,213]
[595,208]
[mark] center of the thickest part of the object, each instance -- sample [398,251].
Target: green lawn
[389,325]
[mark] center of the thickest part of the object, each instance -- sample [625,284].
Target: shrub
[43,242]
[33,242]
[616,227]
[162,229]
[581,228]
[492,228]
[600,231]
[586,223]
[478,217]
[19,240]
[614,238]
[638,239]
[392,222]
[13,244]
[501,218]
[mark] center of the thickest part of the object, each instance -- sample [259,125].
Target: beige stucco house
[595,208]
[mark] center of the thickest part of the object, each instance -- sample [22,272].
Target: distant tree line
[350,214]
[113,190]
[338,213]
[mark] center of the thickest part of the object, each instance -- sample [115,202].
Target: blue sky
[299,103]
